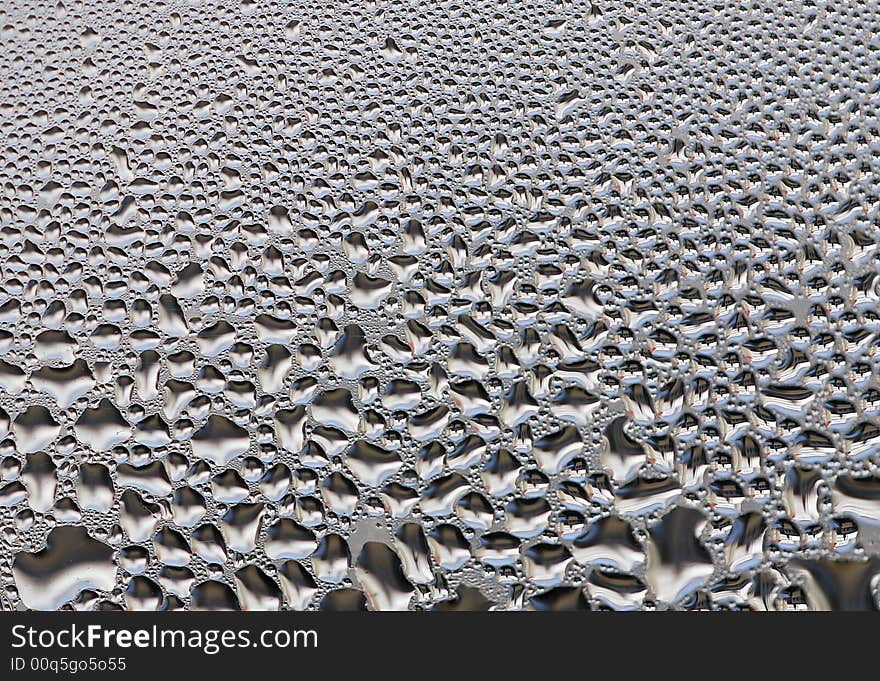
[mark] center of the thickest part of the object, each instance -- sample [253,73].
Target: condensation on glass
[444,305]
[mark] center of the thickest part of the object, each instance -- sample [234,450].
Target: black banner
[153,645]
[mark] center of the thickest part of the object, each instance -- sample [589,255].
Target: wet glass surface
[454,305]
